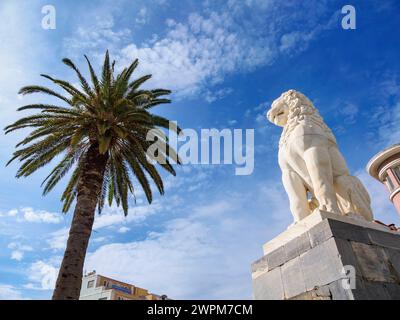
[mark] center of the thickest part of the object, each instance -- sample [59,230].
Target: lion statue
[314,172]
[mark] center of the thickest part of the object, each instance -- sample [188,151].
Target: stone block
[292,277]
[393,257]
[384,239]
[269,286]
[373,262]
[360,292]
[393,290]
[320,233]
[376,290]
[276,258]
[347,255]
[260,265]
[348,231]
[297,246]
[319,293]
[321,265]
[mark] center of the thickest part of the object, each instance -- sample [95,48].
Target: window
[389,184]
[90,284]
[397,172]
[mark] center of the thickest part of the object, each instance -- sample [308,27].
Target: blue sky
[225,62]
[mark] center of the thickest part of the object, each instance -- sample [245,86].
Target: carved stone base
[330,257]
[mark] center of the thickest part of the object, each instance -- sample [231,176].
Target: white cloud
[142,17]
[389,131]
[17,245]
[19,250]
[195,53]
[98,34]
[17,255]
[28,214]
[214,209]
[114,215]
[191,56]
[212,96]
[123,229]
[8,292]
[385,117]
[295,41]
[43,274]
[348,112]
[58,239]
[12,213]
[40,216]
[99,239]
[194,176]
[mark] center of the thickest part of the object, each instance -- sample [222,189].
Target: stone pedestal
[330,257]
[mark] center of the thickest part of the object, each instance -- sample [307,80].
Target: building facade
[98,287]
[385,167]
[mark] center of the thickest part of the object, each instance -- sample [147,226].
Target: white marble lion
[314,172]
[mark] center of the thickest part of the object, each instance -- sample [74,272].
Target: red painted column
[396,183]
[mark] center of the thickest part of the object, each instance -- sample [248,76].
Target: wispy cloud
[10,213]
[123,229]
[40,216]
[58,239]
[99,34]
[18,250]
[142,16]
[9,292]
[385,118]
[42,274]
[28,214]
[194,55]
[113,215]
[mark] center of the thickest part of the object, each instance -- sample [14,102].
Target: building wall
[91,291]
[85,289]
[97,294]
[396,201]
[95,287]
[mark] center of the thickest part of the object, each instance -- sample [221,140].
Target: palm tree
[101,133]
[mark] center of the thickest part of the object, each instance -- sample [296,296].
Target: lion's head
[284,107]
[289,111]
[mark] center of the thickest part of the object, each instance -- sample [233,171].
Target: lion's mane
[301,109]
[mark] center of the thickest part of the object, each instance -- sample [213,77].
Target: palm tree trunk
[69,278]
